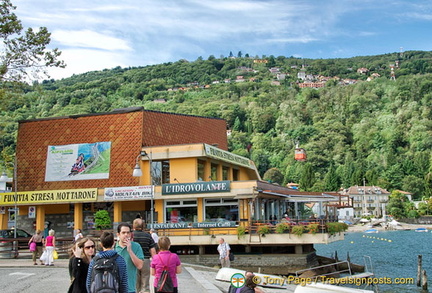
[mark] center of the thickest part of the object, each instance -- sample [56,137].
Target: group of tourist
[37,243]
[133,252]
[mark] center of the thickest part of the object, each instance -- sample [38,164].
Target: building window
[235,175]
[220,209]
[178,211]
[201,167]
[213,172]
[225,173]
[160,172]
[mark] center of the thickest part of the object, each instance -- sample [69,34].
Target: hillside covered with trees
[378,130]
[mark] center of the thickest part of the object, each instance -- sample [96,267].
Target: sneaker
[35,264]
[52,265]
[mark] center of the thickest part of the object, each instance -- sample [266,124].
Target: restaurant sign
[203,225]
[196,187]
[49,196]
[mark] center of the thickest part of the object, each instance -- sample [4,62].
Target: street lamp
[3,179]
[138,173]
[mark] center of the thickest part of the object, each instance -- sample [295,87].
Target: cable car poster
[78,162]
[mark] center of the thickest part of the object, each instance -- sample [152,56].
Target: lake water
[394,255]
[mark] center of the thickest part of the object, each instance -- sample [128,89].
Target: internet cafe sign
[184,225]
[196,187]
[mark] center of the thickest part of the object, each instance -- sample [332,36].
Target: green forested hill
[378,130]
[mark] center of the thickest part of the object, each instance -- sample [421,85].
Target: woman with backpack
[165,261]
[37,239]
[83,252]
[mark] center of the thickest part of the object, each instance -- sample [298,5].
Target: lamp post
[138,173]
[4,178]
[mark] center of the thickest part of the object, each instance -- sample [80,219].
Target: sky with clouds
[103,34]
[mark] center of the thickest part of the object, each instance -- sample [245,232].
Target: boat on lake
[421,230]
[371,231]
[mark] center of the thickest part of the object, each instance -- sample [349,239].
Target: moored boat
[371,231]
[421,229]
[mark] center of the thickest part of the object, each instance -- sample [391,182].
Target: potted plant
[297,230]
[312,228]
[263,230]
[282,227]
[241,230]
[336,227]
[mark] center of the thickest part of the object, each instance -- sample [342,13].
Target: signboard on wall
[196,187]
[225,156]
[84,161]
[32,212]
[184,225]
[49,196]
[125,193]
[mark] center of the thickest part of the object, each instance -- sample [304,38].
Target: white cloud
[138,33]
[85,60]
[89,39]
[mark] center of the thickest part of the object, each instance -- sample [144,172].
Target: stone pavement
[190,280]
[194,278]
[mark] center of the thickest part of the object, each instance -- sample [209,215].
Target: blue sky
[100,34]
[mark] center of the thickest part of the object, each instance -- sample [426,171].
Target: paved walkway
[194,278]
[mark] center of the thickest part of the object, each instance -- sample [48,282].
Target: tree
[307,178]
[273,175]
[331,180]
[102,220]
[24,53]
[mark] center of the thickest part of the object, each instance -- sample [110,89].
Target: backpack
[32,246]
[105,276]
[165,283]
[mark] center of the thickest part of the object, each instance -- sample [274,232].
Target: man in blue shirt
[131,252]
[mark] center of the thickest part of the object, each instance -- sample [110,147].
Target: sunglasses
[88,247]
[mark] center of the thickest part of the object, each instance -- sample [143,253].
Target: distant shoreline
[402,226]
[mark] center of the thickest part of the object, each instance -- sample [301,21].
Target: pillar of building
[118,210]
[200,211]
[78,216]
[207,170]
[298,249]
[219,172]
[4,220]
[40,217]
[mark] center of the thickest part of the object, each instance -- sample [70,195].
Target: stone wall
[268,263]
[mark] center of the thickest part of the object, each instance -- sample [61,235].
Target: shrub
[102,220]
[313,228]
[282,227]
[241,230]
[336,227]
[262,230]
[297,230]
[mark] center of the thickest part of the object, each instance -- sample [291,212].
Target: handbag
[55,254]
[231,256]
[32,246]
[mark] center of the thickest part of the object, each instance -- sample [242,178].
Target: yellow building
[187,186]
